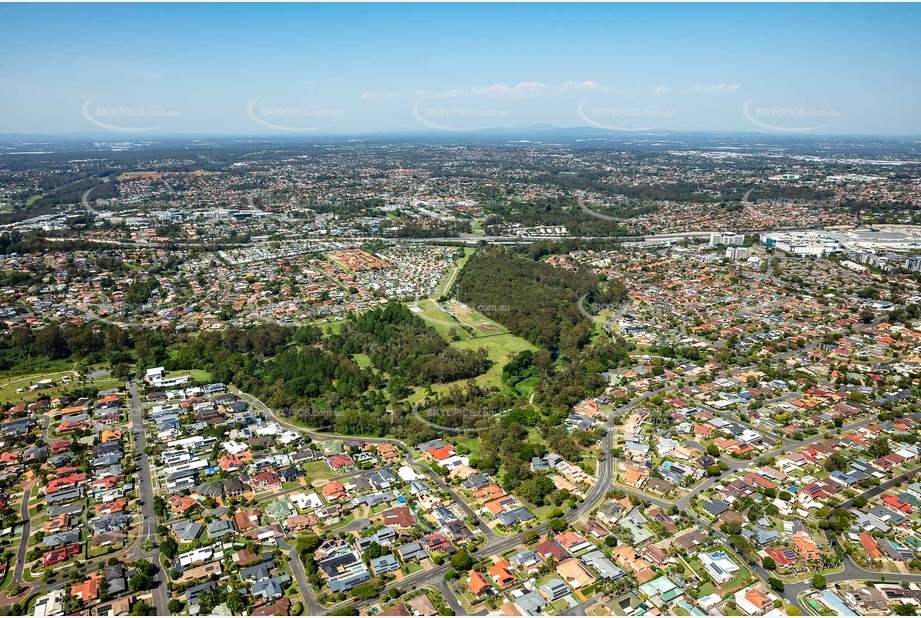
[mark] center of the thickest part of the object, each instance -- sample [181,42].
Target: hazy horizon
[242,70]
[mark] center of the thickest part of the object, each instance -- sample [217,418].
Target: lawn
[8,390]
[331,327]
[316,470]
[474,319]
[436,317]
[471,443]
[362,360]
[526,387]
[412,567]
[560,605]
[198,375]
[498,348]
[706,590]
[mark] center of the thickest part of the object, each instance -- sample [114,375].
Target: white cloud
[522,89]
[661,89]
[586,86]
[379,95]
[501,90]
[717,89]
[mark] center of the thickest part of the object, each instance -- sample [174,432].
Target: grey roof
[896,519]
[219,527]
[186,531]
[68,495]
[211,488]
[716,507]
[347,582]
[269,588]
[896,553]
[601,563]
[532,604]
[763,536]
[61,538]
[109,523]
[59,509]
[412,551]
[554,589]
[524,557]
[384,564]
[514,516]
[192,594]
[257,572]
[115,578]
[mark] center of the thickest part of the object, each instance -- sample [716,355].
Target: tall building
[726,238]
[913,264]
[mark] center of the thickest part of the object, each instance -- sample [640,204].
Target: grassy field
[473,444]
[498,346]
[198,375]
[362,360]
[316,470]
[475,320]
[9,395]
[437,318]
[331,327]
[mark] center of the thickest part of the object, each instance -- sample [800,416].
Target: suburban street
[146,494]
[496,544]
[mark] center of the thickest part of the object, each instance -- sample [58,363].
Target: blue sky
[242,69]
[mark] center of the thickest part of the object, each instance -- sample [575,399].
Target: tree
[903,610]
[775,584]
[558,524]
[140,581]
[345,611]
[235,602]
[142,608]
[713,450]
[461,561]
[175,606]
[365,591]
[169,547]
[818,581]
[768,564]
[860,502]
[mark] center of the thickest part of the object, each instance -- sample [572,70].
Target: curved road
[26,532]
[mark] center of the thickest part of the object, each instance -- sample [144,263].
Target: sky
[148,70]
